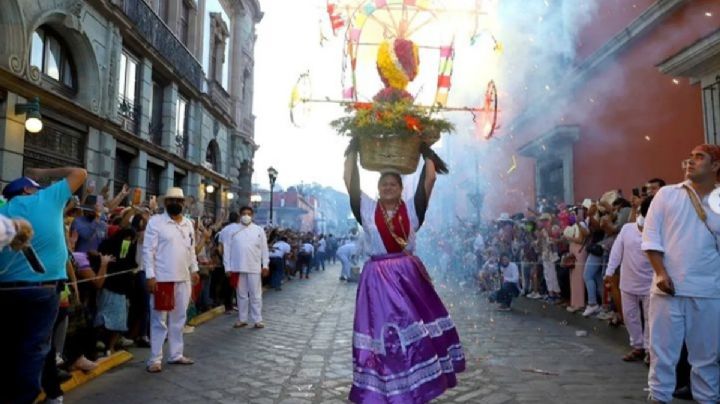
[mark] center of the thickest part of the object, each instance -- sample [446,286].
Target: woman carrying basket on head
[405,346]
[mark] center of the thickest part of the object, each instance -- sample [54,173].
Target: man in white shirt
[170,266]
[278,253]
[245,252]
[635,281]
[509,288]
[346,254]
[685,295]
[305,258]
[320,255]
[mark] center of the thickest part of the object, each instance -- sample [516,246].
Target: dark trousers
[319,261]
[50,379]
[303,264]
[277,270]
[29,315]
[139,310]
[507,292]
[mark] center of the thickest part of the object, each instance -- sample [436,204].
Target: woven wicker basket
[392,153]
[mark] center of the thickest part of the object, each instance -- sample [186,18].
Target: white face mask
[641,221]
[245,219]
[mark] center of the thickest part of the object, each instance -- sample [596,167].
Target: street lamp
[33,119]
[272,175]
[255,200]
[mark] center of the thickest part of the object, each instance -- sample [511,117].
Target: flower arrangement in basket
[391,130]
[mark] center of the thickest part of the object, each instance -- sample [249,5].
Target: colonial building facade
[149,93]
[643,89]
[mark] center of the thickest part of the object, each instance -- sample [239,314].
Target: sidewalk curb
[104,364]
[593,326]
[207,316]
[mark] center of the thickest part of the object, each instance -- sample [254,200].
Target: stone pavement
[303,356]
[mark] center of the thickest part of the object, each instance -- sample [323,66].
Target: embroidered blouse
[378,240]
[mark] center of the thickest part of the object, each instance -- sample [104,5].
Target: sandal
[181,361]
[259,325]
[154,368]
[240,324]
[634,355]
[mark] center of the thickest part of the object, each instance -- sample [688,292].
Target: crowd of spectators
[103,295]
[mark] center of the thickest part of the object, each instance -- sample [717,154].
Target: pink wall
[624,101]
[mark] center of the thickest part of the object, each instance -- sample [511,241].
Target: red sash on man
[392,237]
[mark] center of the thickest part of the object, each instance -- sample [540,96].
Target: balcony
[220,97]
[128,112]
[154,31]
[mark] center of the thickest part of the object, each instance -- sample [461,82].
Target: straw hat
[174,193]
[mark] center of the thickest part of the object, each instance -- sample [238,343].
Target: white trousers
[697,321]
[249,293]
[169,324]
[551,280]
[345,261]
[636,327]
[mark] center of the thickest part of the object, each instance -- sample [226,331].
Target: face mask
[174,209]
[245,219]
[641,221]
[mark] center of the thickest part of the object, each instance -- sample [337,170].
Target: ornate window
[211,156]
[156,113]
[127,89]
[219,35]
[184,23]
[181,134]
[52,57]
[163,9]
[153,179]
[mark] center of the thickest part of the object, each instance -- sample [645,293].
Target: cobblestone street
[303,356]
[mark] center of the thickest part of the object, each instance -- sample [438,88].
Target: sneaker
[535,295]
[502,307]
[125,342]
[57,400]
[635,355]
[59,361]
[604,316]
[590,310]
[84,364]
[572,309]
[188,329]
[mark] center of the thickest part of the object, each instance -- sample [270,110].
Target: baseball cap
[17,186]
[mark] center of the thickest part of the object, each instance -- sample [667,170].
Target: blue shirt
[44,211]
[91,233]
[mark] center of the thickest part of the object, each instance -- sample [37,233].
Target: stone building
[152,93]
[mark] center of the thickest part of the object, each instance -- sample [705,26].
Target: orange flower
[363,105]
[412,123]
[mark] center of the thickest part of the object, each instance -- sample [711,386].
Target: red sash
[400,228]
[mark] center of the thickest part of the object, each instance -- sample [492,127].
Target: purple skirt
[405,346]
